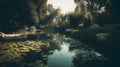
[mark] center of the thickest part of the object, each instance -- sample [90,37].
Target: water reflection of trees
[85,55]
[58,40]
[86,58]
[40,59]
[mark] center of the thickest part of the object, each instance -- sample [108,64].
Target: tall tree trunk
[30,11]
[42,8]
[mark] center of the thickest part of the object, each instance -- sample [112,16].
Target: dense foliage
[15,14]
[100,11]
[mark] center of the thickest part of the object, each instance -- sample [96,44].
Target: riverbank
[13,51]
[104,39]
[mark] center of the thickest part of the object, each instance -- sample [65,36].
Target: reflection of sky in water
[78,52]
[67,53]
[62,58]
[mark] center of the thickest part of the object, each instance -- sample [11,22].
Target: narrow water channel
[59,51]
[62,58]
[72,53]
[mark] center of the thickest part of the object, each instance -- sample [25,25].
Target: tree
[90,9]
[15,14]
[53,14]
[77,10]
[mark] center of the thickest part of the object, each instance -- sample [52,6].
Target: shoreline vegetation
[30,25]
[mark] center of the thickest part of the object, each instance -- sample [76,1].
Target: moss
[13,51]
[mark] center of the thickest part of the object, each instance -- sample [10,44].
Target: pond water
[62,58]
[59,51]
[71,51]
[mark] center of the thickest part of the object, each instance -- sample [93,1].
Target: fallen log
[17,38]
[7,37]
[22,37]
[10,35]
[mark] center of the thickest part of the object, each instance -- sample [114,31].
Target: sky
[65,5]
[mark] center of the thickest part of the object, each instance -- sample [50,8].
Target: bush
[32,29]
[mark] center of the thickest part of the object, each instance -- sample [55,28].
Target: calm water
[60,51]
[70,52]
